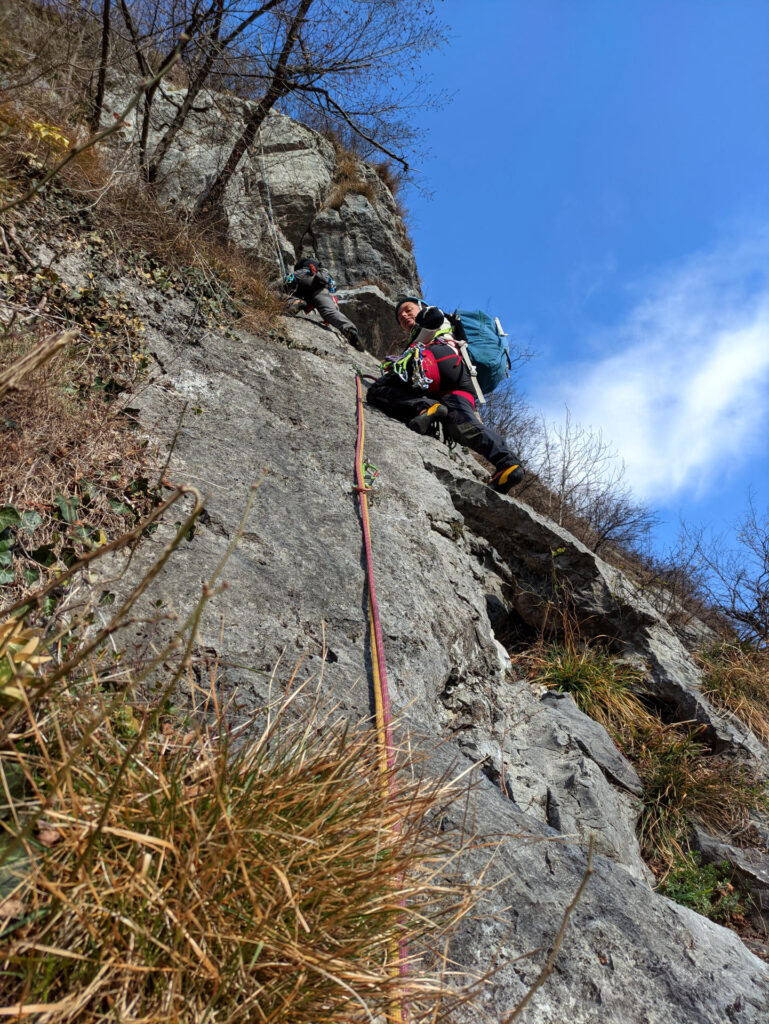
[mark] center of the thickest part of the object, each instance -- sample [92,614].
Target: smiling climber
[430,383]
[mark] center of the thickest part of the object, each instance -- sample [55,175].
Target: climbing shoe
[431,414]
[352,336]
[295,306]
[505,479]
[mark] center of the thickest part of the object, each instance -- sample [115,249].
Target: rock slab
[296,591]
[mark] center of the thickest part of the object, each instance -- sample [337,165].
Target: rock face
[539,556]
[451,558]
[279,200]
[750,866]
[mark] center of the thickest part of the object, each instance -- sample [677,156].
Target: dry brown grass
[195,879]
[736,680]
[389,176]
[684,782]
[347,179]
[223,867]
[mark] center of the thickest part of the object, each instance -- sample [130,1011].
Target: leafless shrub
[509,413]
[735,577]
[575,476]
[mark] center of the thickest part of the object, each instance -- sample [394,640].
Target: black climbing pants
[463,424]
[329,310]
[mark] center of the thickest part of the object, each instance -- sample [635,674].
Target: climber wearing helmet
[430,383]
[311,288]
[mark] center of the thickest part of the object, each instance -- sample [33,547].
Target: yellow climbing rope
[398,952]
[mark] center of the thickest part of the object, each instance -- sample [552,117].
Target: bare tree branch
[279,86]
[547,970]
[354,125]
[103,134]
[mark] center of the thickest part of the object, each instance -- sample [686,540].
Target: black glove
[430,318]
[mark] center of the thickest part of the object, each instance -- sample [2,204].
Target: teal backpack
[486,345]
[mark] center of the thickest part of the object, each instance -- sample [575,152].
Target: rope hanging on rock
[364,476]
[270,209]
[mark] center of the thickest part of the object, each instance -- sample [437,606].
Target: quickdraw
[370,473]
[410,368]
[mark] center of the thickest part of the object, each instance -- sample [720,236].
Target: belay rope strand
[364,476]
[269,207]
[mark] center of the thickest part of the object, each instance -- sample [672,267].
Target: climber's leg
[464,425]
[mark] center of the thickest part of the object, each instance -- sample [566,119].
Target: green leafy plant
[706,888]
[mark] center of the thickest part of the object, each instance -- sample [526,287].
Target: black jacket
[307,284]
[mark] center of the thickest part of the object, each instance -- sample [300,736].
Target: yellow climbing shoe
[505,479]
[431,414]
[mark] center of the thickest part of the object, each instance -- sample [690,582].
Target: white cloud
[683,387]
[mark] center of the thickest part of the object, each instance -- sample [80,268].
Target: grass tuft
[603,688]
[347,179]
[684,782]
[153,869]
[736,680]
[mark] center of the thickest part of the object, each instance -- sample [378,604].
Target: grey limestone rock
[372,311]
[277,204]
[539,555]
[553,762]
[594,740]
[445,548]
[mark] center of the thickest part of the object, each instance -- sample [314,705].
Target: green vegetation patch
[602,687]
[706,888]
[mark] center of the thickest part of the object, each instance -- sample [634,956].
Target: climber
[311,288]
[430,383]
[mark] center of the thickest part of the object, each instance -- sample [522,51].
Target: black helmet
[400,299]
[306,263]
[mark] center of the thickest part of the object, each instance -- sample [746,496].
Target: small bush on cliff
[706,888]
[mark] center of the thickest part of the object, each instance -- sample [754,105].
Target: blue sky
[600,181]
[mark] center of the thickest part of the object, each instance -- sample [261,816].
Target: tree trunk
[198,82]
[99,98]
[211,199]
